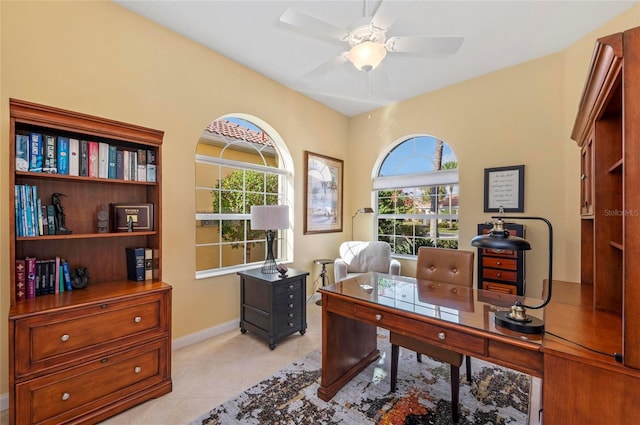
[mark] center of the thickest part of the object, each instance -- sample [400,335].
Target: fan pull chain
[369,93]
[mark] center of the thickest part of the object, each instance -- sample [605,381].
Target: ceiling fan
[367,39]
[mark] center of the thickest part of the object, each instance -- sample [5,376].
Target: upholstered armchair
[442,265]
[358,257]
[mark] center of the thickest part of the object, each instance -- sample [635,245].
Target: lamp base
[269,266]
[533,325]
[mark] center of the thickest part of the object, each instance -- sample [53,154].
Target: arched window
[239,163]
[417,196]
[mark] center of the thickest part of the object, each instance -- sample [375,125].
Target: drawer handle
[137,369]
[64,338]
[378,317]
[104,305]
[499,274]
[499,263]
[290,286]
[583,177]
[66,396]
[290,296]
[290,314]
[104,360]
[290,305]
[441,335]
[290,324]
[137,319]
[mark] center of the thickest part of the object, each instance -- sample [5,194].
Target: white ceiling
[497,34]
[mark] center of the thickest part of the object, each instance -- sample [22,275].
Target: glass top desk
[450,316]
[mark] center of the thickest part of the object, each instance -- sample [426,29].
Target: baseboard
[4,401]
[200,336]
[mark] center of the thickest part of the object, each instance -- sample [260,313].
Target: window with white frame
[237,165]
[417,196]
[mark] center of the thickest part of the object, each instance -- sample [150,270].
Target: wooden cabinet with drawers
[502,270]
[273,307]
[82,355]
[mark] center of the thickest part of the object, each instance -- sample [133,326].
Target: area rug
[496,395]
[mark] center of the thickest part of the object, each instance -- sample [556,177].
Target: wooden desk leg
[348,346]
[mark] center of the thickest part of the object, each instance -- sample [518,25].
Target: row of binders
[32,217]
[35,277]
[45,153]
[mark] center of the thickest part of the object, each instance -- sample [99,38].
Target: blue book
[135,263]
[18,210]
[67,276]
[35,152]
[63,155]
[112,161]
[22,152]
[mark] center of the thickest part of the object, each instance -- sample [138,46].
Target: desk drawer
[54,339]
[507,276]
[500,263]
[433,333]
[58,397]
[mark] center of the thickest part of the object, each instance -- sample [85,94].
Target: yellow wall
[98,58]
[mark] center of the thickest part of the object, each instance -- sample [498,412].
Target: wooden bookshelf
[112,330]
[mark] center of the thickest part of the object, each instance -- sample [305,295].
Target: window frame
[284,171]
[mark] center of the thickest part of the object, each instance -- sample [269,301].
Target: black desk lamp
[498,238]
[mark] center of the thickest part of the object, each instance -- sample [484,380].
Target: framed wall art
[504,187]
[323,198]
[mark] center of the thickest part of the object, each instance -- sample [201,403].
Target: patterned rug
[496,395]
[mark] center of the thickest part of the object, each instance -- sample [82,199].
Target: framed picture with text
[323,198]
[504,187]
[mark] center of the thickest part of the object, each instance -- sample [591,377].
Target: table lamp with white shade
[269,218]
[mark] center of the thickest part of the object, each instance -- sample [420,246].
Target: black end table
[272,306]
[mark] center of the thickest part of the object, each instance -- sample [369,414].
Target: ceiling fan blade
[325,67]
[312,26]
[386,14]
[431,46]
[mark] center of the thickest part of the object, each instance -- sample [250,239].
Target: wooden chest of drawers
[84,362]
[502,270]
[273,307]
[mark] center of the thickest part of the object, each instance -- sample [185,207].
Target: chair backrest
[444,265]
[368,256]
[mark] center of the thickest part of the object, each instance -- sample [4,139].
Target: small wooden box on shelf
[114,331]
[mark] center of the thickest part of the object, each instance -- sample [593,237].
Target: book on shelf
[51,218]
[38,274]
[30,264]
[126,165]
[35,152]
[63,155]
[94,151]
[135,264]
[66,272]
[56,275]
[113,150]
[84,158]
[141,168]
[21,280]
[38,212]
[119,164]
[22,152]
[151,165]
[103,160]
[74,157]
[148,263]
[50,164]
[45,220]
[133,166]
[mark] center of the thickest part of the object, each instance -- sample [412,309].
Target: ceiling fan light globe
[367,55]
